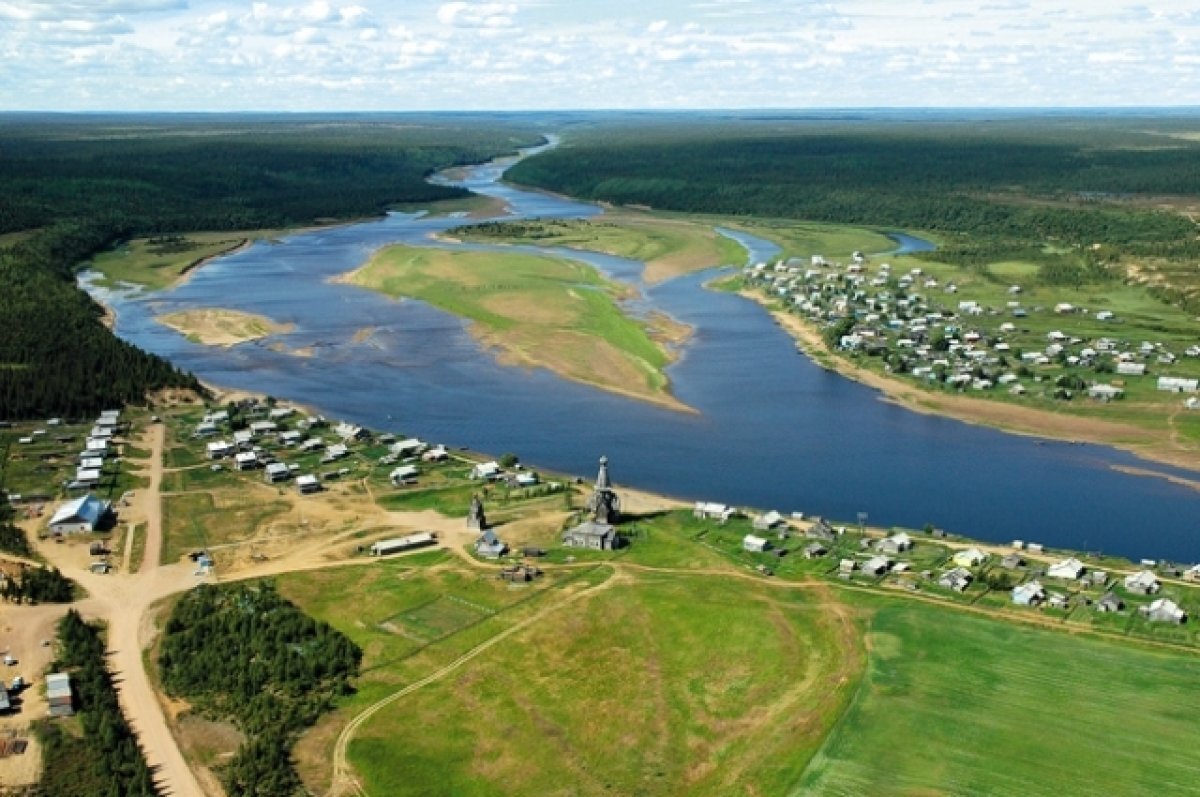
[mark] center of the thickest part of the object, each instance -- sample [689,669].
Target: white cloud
[477,15]
[342,54]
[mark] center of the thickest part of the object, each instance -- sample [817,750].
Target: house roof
[1141,579]
[58,685]
[85,508]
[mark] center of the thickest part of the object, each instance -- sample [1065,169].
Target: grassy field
[199,520]
[158,263]
[664,686]
[804,239]
[955,704]
[538,311]
[669,246]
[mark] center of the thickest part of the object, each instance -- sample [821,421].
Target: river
[772,430]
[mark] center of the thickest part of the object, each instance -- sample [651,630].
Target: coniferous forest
[999,181]
[247,655]
[105,760]
[75,185]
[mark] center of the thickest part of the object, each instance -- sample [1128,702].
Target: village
[256,486]
[960,335]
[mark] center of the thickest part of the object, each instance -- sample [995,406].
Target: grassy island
[537,312]
[668,246]
[219,327]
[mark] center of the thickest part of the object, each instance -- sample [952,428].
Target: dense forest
[104,760]
[1001,184]
[247,655]
[77,185]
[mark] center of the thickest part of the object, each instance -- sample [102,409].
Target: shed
[245,460]
[877,565]
[1110,603]
[406,543]
[58,694]
[814,550]
[897,543]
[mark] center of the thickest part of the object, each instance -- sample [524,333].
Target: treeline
[38,585]
[105,760]
[12,538]
[85,183]
[247,655]
[56,355]
[1014,184]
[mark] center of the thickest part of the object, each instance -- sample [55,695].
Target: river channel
[772,430]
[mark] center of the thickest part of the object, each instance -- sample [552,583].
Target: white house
[219,449]
[436,454]
[1164,610]
[1142,582]
[897,543]
[1070,569]
[877,565]
[276,472]
[1177,384]
[308,483]
[1131,369]
[80,516]
[1029,594]
[486,471]
[755,544]
[705,510]
[402,474]
[407,448]
[245,460]
[768,521]
[349,431]
[957,579]
[971,557]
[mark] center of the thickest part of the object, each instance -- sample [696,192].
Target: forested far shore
[991,189]
[71,187]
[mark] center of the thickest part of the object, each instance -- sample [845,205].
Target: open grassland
[220,327]
[669,246]
[196,521]
[661,685]
[954,704]
[804,239]
[160,262]
[538,311]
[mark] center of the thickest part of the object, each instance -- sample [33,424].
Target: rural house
[1028,594]
[971,557]
[755,544]
[1142,583]
[1071,569]
[489,546]
[80,516]
[1164,610]
[957,579]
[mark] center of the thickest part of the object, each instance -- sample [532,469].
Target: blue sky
[415,55]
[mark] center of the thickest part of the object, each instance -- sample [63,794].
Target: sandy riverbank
[1006,417]
[220,327]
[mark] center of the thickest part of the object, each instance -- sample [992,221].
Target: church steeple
[602,482]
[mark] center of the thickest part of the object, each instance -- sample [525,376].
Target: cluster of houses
[1144,582]
[98,447]
[912,321]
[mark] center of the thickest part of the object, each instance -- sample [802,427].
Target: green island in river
[537,311]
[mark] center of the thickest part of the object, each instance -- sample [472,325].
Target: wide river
[772,430]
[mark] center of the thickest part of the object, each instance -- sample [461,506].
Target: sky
[397,55]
